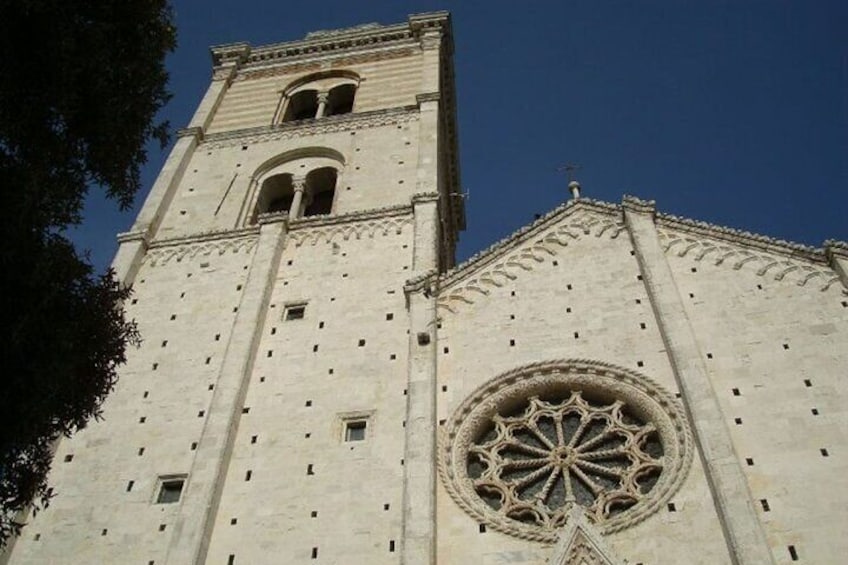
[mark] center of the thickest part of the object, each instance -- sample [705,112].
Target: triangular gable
[520,252]
[581,544]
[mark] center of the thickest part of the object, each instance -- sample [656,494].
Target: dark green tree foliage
[81,85]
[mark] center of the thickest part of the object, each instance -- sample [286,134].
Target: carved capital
[425,97]
[638,206]
[195,132]
[135,235]
[834,249]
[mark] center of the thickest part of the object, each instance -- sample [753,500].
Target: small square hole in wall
[173,317]
[104,531]
[217,337]
[386,506]
[815,411]
[310,470]
[194,446]
[694,270]
[308,403]
[672,507]
[736,392]
[233,521]
[640,364]
[808,382]
[392,356]
[444,388]
[320,325]
[568,310]
[170,489]
[354,430]
[201,413]
[568,286]
[512,343]
[313,514]
[69,458]
[824,452]
[130,486]
[638,277]
[738,421]
[155,366]
[253,439]
[638,301]
[330,371]
[512,293]
[231,559]
[390,316]
[142,420]
[764,503]
[576,335]
[361,343]
[140,451]
[785,346]
[391,546]
[749,461]
[248,475]
[709,355]
[294,312]
[845,303]
[146,394]
[134,301]
[210,387]
[289,262]
[314,553]
[245,410]
[164,343]
[208,360]
[793,553]
[691,295]
[642,325]
[481,528]
[261,379]
[555,264]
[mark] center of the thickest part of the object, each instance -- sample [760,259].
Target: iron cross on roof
[573,185]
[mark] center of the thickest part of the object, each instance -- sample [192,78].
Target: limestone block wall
[106,476]
[574,290]
[773,331]
[388,80]
[295,488]
[377,168]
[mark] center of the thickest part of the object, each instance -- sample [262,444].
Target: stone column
[299,186]
[202,495]
[746,541]
[419,494]
[322,104]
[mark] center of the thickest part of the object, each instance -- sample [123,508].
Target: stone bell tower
[274,413]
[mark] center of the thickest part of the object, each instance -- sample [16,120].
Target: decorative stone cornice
[272,218]
[212,235]
[328,44]
[318,126]
[383,221]
[163,251]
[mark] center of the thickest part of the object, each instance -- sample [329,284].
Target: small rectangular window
[355,430]
[294,312]
[170,490]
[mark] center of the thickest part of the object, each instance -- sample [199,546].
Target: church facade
[319,382]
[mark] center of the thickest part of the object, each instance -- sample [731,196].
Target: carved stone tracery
[525,448]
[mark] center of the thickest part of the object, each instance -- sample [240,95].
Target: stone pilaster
[419,494]
[208,473]
[837,256]
[746,541]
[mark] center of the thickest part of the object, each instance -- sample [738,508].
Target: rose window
[525,447]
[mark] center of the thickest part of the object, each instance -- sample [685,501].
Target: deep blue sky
[731,112]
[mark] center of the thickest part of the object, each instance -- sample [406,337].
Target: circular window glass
[525,447]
